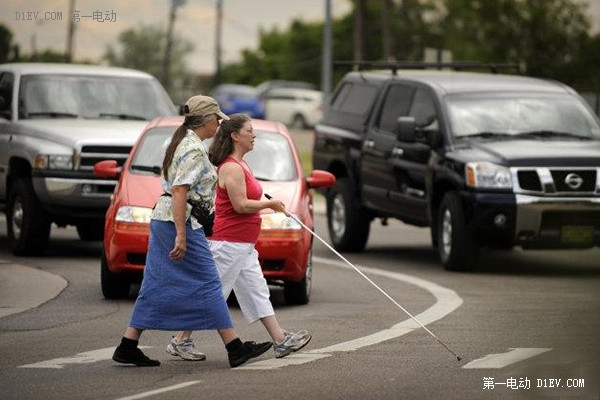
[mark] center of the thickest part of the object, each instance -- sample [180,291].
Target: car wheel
[348,225]
[114,286]
[28,225]
[92,230]
[456,247]
[299,292]
[299,122]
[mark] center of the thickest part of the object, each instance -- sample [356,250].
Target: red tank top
[230,225]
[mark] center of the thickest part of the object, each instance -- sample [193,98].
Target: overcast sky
[242,20]
[195,21]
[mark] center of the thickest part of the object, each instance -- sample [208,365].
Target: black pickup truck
[483,159]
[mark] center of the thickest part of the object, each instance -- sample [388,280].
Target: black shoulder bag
[201,211]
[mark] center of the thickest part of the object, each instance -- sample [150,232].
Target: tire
[91,230]
[456,247]
[114,286]
[348,225]
[28,225]
[299,122]
[298,293]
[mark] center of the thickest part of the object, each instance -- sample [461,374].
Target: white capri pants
[239,269]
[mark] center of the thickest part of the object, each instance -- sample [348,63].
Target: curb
[23,288]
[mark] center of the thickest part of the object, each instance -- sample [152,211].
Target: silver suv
[56,122]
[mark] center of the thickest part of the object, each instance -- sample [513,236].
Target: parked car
[235,98]
[300,108]
[265,87]
[481,159]
[56,122]
[284,247]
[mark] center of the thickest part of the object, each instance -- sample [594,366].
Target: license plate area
[577,235]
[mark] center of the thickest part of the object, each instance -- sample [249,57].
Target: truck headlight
[279,221]
[53,161]
[488,175]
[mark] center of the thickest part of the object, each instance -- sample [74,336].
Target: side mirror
[106,169]
[320,179]
[405,129]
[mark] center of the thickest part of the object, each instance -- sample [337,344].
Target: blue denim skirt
[179,295]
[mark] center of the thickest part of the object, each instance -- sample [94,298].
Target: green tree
[549,38]
[8,51]
[545,37]
[144,49]
[295,53]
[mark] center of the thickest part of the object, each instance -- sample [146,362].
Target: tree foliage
[144,48]
[545,37]
[8,51]
[549,38]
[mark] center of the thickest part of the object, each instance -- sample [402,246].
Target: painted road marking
[159,391]
[80,358]
[503,359]
[447,301]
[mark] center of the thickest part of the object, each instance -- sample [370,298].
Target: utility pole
[359,44]
[71,32]
[218,39]
[327,55]
[385,28]
[166,70]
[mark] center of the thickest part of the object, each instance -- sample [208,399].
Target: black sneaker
[133,356]
[247,351]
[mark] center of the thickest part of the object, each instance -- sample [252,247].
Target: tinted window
[423,108]
[354,98]
[43,96]
[396,104]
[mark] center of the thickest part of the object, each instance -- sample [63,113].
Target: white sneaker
[186,350]
[292,342]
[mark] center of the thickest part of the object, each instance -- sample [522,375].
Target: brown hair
[190,122]
[222,145]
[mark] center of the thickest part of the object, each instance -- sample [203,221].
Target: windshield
[270,160]
[92,97]
[514,114]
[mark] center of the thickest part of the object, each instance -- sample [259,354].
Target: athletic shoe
[186,350]
[292,342]
[247,351]
[133,356]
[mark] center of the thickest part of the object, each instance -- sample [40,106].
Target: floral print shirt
[190,166]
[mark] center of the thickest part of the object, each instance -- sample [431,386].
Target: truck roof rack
[394,66]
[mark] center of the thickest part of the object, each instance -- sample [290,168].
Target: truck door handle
[368,144]
[396,152]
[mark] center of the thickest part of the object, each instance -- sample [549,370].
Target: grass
[306,158]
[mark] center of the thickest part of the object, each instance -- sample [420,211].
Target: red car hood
[284,191]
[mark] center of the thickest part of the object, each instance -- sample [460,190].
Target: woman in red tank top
[236,230]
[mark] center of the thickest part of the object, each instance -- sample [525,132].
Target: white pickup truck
[56,122]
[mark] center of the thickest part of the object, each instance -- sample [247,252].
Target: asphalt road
[520,322]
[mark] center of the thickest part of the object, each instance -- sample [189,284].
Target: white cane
[367,278]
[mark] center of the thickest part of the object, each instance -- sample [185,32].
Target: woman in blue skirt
[181,289]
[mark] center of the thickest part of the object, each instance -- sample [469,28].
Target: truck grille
[91,154]
[558,181]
